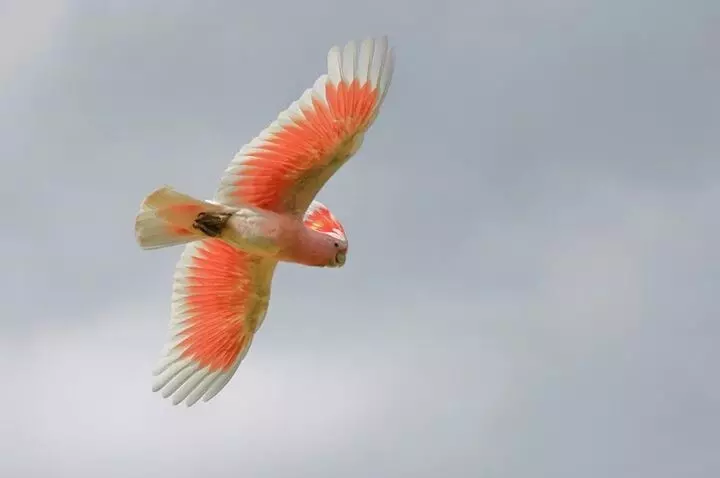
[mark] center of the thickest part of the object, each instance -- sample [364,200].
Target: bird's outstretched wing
[220,297]
[286,165]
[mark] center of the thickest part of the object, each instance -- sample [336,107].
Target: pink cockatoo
[264,212]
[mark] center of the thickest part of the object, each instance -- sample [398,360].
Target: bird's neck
[305,247]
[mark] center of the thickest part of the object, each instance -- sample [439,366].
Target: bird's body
[284,238]
[168,218]
[263,213]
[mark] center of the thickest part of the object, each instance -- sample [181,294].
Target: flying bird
[263,212]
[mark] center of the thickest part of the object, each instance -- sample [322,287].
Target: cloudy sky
[533,226]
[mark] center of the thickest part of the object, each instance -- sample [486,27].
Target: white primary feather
[348,66]
[365,60]
[334,65]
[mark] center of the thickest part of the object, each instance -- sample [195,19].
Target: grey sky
[533,241]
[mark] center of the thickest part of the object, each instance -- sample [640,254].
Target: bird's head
[333,245]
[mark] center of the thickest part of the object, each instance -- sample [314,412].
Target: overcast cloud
[533,224]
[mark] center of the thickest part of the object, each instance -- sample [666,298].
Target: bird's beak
[340,258]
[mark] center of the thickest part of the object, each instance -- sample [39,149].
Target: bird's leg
[212,223]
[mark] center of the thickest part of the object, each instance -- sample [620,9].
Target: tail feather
[168,218]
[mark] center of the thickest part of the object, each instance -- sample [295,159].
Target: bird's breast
[256,232]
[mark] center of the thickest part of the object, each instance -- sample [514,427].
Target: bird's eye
[336,244]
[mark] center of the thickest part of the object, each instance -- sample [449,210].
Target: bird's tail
[168,218]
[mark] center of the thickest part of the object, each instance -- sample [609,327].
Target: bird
[263,212]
